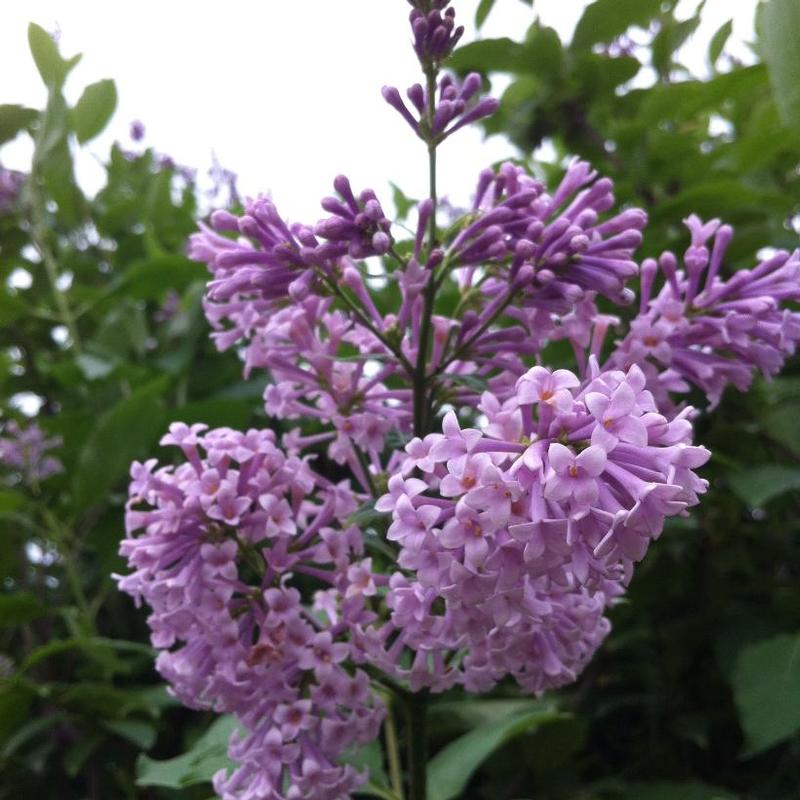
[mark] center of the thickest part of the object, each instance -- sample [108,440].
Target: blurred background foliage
[696,694]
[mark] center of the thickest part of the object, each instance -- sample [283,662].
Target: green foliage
[108,338]
[196,765]
[780,28]
[452,767]
[766,685]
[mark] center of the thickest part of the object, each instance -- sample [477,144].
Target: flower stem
[417,744]
[393,754]
[421,422]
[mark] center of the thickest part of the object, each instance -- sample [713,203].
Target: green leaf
[672,790]
[14,119]
[125,432]
[19,608]
[780,31]
[718,41]
[604,20]
[142,734]
[451,768]
[94,109]
[671,37]
[766,687]
[52,67]
[759,485]
[198,765]
[484,8]
[151,278]
[489,55]
[369,757]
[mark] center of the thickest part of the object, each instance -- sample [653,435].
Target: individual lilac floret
[434,29]
[707,330]
[214,544]
[455,105]
[25,451]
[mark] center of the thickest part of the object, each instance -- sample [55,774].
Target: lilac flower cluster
[25,450]
[707,331]
[523,530]
[11,182]
[507,503]
[222,536]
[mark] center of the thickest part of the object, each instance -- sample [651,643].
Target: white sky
[287,94]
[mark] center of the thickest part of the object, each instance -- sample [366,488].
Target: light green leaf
[52,67]
[759,485]
[489,55]
[766,687]
[604,20]
[208,755]
[780,31]
[451,768]
[94,109]
[718,41]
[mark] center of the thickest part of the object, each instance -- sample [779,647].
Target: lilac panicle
[514,500]
[214,543]
[709,331]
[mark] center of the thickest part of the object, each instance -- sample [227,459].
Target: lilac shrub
[495,506]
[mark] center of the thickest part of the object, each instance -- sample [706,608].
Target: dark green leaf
[142,734]
[450,770]
[149,279]
[94,109]
[14,119]
[780,21]
[604,20]
[19,608]
[766,686]
[125,432]
[758,485]
[673,790]
[718,41]
[198,765]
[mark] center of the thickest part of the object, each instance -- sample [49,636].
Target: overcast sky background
[286,94]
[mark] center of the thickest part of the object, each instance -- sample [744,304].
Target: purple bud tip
[391,95]
[436,258]
[222,220]
[381,242]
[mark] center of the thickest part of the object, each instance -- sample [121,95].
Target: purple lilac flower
[517,499]
[25,451]
[707,330]
[213,554]
[511,533]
